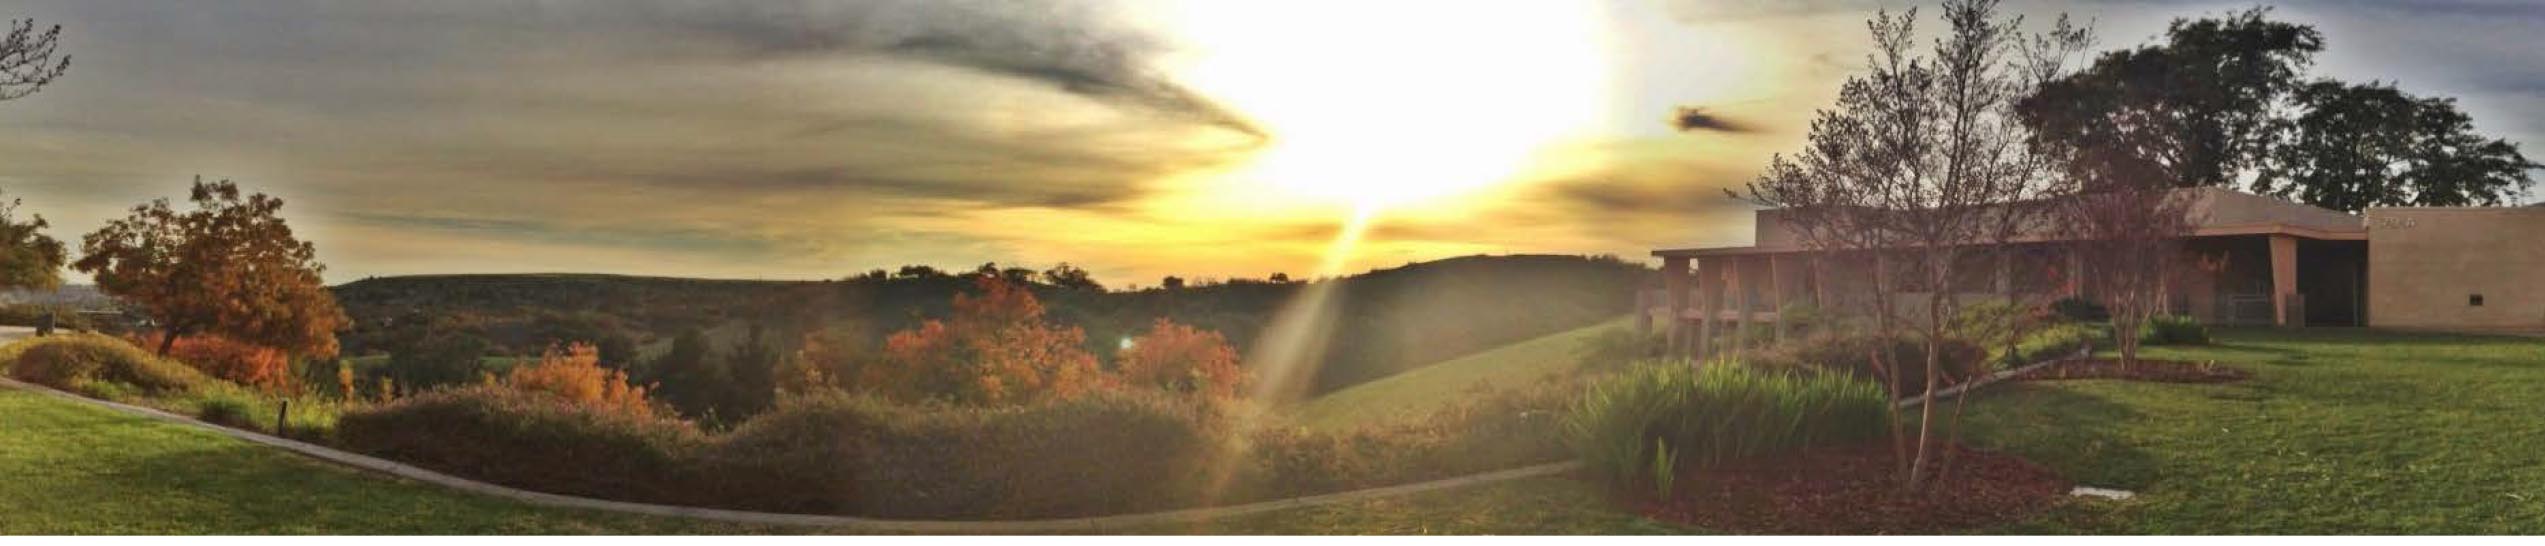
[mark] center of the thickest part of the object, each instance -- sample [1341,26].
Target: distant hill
[76,296]
[1391,319]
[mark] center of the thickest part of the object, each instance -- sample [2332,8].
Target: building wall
[2424,264]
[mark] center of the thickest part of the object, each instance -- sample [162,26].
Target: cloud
[1690,119]
[1075,47]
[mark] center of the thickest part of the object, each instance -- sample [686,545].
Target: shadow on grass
[2075,433]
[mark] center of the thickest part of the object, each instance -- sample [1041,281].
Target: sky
[806,139]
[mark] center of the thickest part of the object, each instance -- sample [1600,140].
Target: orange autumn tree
[995,350]
[575,374]
[1183,359]
[230,266]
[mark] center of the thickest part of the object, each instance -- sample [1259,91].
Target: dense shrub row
[67,361]
[1104,453]
[1646,424]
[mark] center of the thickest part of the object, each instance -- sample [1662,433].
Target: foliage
[1616,348]
[31,314]
[64,360]
[2193,111]
[1863,355]
[529,439]
[230,266]
[2173,330]
[1182,359]
[264,368]
[574,374]
[1723,412]
[2080,309]
[996,349]
[2370,145]
[438,358]
[2057,340]
[29,259]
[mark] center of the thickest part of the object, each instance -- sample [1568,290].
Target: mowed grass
[2339,432]
[68,468]
[1423,390]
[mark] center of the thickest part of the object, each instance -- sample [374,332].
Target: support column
[1674,283]
[2284,279]
[1709,296]
[1740,306]
[2076,273]
[2005,274]
[1776,292]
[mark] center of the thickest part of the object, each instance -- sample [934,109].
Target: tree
[231,266]
[2129,239]
[437,357]
[995,350]
[1183,359]
[1071,277]
[2360,146]
[2197,110]
[28,258]
[686,376]
[27,61]
[1921,161]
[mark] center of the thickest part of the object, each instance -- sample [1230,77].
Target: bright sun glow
[1367,112]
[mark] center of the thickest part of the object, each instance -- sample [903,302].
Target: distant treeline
[1388,320]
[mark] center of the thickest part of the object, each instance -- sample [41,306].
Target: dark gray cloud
[1690,119]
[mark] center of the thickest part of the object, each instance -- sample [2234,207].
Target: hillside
[1391,320]
[1430,388]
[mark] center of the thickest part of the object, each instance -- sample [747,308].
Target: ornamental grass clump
[1646,424]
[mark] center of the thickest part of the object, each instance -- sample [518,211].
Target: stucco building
[2249,259]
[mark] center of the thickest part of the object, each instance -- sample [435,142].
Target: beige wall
[2424,262]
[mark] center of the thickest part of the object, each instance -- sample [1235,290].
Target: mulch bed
[2162,371]
[1856,491]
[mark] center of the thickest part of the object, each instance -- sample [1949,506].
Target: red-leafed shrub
[265,368]
[574,373]
[1183,359]
[995,350]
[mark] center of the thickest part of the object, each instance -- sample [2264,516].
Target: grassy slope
[74,469]
[2340,432]
[1423,390]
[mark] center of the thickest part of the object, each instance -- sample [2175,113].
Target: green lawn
[2339,432]
[1426,389]
[76,469]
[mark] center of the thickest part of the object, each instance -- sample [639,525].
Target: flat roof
[2204,231]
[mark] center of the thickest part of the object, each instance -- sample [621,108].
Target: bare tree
[2129,238]
[27,62]
[1921,161]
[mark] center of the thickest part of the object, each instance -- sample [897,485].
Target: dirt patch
[2162,371]
[1856,491]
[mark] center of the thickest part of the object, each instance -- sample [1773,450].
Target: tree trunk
[167,340]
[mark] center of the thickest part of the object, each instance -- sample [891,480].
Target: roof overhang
[2205,231]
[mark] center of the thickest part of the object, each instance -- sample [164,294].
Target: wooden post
[282,417]
[2284,278]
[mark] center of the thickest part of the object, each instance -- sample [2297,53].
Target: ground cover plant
[1648,424]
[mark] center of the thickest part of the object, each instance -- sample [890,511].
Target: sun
[1392,104]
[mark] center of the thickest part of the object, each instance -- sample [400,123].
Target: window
[2474,300]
